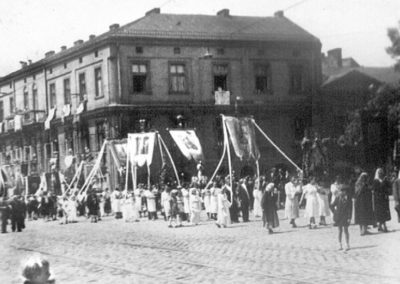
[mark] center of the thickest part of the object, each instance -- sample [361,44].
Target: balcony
[33,116]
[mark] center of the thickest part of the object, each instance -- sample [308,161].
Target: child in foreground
[342,209]
[37,271]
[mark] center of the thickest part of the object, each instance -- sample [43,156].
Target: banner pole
[276,147]
[169,156]
[229,155]
[127,171]
[258,174]
[220,161]
[148,176]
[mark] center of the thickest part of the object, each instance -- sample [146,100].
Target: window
[35,97]
[96,53]
[100,134]
[220,51]
[139,49]
[98,82]
[52,90]
[177,50]
[80,59]
[26,99]
[262,79]
[177,78]
[1,111]
[82,85]
[67,91]
[296,78]
[65,65]
[139,77]
[11,105]
[51,70]
[220,72]
[260,52]
[34,77]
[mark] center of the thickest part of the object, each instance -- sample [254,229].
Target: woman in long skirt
[381,191]
[165,202]
[364,212]
[186,204]
[257,194]
[223,209]
[269,206]
[195,206]
[214,200]
[312,207]
[206,193]
[323,201]
[292,190]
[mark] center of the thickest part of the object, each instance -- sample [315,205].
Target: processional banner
[141,148]
[118,151]
[188,143]
[242,135]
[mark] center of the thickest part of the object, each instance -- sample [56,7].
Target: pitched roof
[197,27]
[216,27]
[349,73]
[383,74]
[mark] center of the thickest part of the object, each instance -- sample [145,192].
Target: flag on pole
[141,148]
[188,143]
[242,135]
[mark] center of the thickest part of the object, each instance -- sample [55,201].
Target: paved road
[149,252]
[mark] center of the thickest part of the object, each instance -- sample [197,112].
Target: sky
[30,28]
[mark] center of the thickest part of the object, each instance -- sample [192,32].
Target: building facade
[163,71]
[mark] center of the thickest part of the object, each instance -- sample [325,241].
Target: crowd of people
[223,201]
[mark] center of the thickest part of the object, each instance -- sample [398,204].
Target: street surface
[112,251]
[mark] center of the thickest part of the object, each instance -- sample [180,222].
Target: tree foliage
[394,49]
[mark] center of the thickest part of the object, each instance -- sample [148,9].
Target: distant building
[142,75]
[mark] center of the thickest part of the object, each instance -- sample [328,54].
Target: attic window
[51,70]
[220,51]
[96,53]
[80,59]
[139,49]
[24,80]
[65,65]
[34,77]
[177,50]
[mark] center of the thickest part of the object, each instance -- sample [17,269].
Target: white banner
[49,118]
[141,148]
[188,143]
[18,122]
[222,97]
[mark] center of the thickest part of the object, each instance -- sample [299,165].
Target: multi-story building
[145,74]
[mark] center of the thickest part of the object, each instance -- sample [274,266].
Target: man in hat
[18,211]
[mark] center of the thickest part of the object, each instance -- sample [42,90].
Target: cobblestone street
[149,252]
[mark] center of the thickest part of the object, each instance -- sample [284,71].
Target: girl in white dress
[214,200]
[224,217]
[195,206]
[323,202]
[292,190]
[312,207]
[206,193]
[165,198]
[186,205]
[257,194]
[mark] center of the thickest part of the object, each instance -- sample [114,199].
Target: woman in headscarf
[380,189]
[364,213]
[269,206]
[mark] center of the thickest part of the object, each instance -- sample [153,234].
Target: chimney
[29,62]
[113,27]
[223,12]
[49,53]
[23,64]
[335,58]
[92,37]
[279,14]
[63,48]
[153,11]
[78,42]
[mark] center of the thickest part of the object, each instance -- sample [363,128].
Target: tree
[394,50]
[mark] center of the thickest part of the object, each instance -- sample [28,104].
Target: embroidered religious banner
[141,148]
[242,135]
[118,152]
[188,143]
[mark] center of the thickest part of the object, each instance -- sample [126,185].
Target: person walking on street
[269,206]
[342,210]
[363,211]
[380,188]
[292,192]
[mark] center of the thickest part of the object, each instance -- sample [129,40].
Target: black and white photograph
[172,141]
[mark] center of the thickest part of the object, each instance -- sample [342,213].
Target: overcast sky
[29,28]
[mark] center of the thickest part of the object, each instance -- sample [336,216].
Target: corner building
[162,71]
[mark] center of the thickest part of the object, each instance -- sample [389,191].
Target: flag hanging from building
[52,112]
[242,135]
[141,148]
[188,143]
